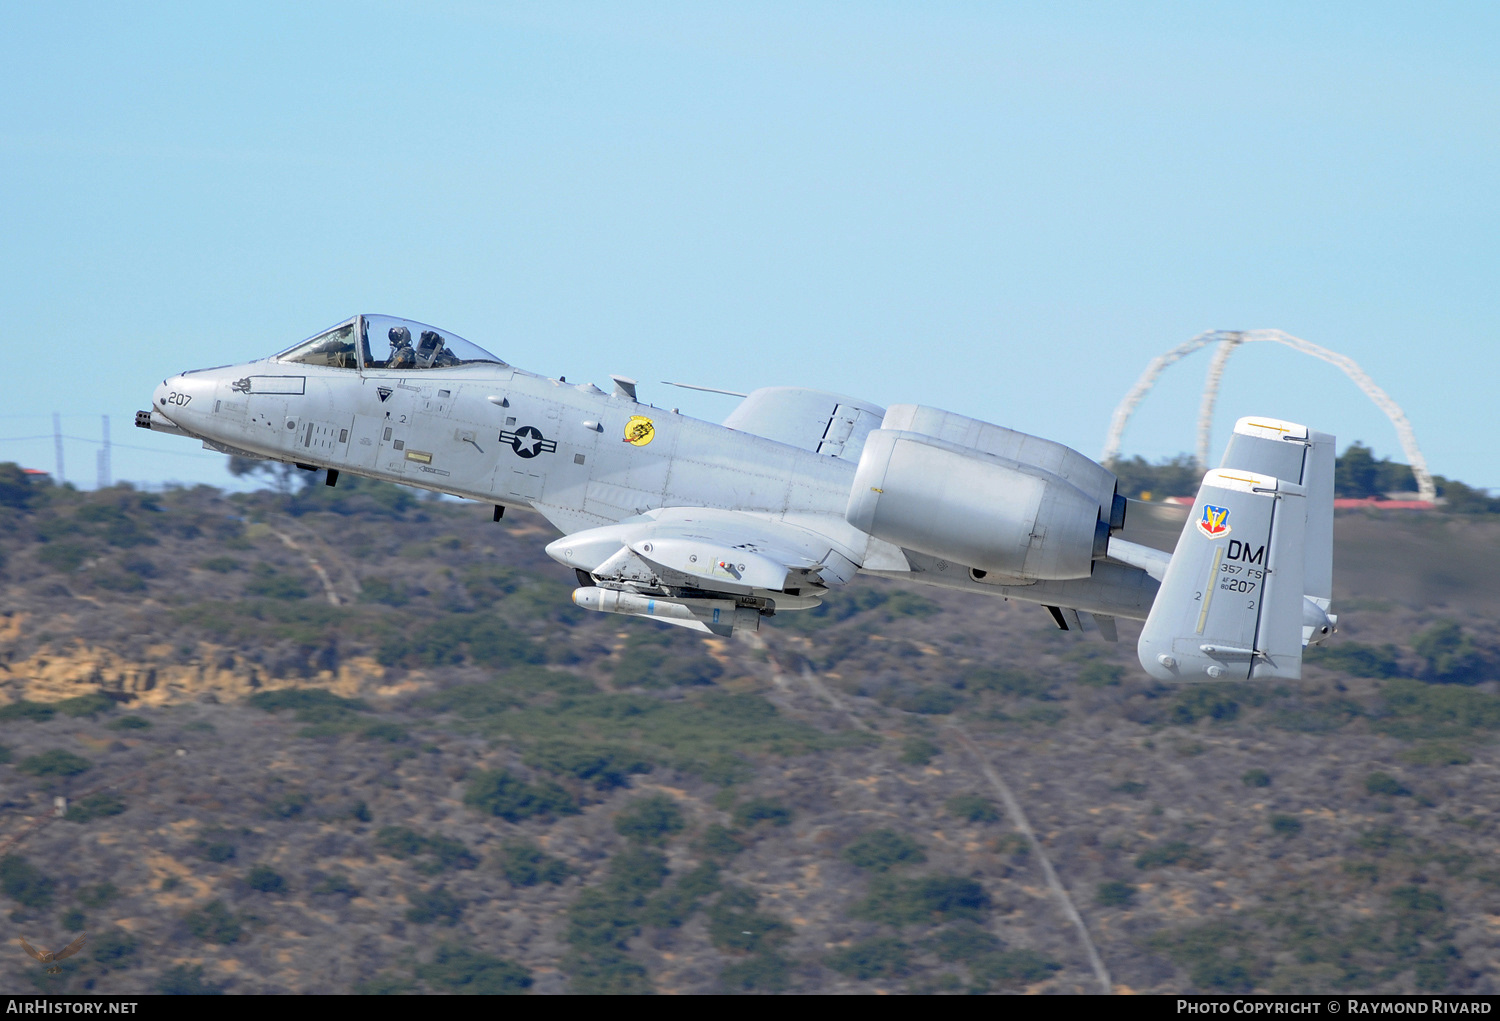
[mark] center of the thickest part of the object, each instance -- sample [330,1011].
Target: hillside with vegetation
[351,739]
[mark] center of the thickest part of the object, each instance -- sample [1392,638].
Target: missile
[720,616]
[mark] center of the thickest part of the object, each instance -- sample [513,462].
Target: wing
[33,951]
[825,423]
[72,948]
[703,568]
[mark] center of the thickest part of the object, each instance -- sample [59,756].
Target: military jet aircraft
[714,527]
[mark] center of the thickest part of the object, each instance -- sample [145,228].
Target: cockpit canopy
[385,342]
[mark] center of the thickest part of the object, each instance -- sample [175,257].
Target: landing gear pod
[718,616]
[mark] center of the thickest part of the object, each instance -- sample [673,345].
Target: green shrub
[5,754]
[1414,710]
[66,557]
[1012,968]
[635,872]
[1356,659]
[24,883]
[759,973]
[503,794]
[1417,899]
[382,590]
[758,810]
[129,723]
[385,983]
[435,905]
[664,659]
[481,638]
[117,581]
[523,863]
[881,957]
[214,923]
[1174,852]
[21,709]
[287,804]
[1382,839]
[1099,674]
[336,884]
[400,842]
[55,762]
[1131,787]
[114,949]
[1436,753]
[601,921]
[650,820]
[880,850]
[918,751]
[1386,785]
[95,806]
[1216,956]
[973,808]
[928,899]
[16,489]
[264,879]
[1256,778]
[1198,701]
[221,565]
[719,842]
[384,730]
[183,980]
[606,973]
[98,895]
[1003,681]
[1286,825]
[445,853]
[670,908]
[86,705]
[607,767]
[932,700]
[735,924]
[1451,657]
[216,847]
[1114,894]
[964,942]
[312,705]
[448,853]
[458,969]
[268,583]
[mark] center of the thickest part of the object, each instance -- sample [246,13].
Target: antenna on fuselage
[705,389]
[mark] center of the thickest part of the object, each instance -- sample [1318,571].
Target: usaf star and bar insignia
[528,441]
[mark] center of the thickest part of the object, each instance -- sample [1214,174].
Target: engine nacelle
[974,508]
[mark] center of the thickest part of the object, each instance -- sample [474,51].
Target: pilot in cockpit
[402,355]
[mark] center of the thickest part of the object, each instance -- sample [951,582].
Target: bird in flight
[48,957]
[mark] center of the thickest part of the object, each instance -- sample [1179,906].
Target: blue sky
[1002,209]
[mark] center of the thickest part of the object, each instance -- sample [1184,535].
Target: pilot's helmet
[400,336]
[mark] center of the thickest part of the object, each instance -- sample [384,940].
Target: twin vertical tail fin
[1251,579]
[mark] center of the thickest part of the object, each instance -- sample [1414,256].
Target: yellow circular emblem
[639,431]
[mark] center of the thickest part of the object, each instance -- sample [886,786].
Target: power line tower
[57,446]
[103,481]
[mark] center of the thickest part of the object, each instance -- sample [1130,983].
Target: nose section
[181,398]
[159,396]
